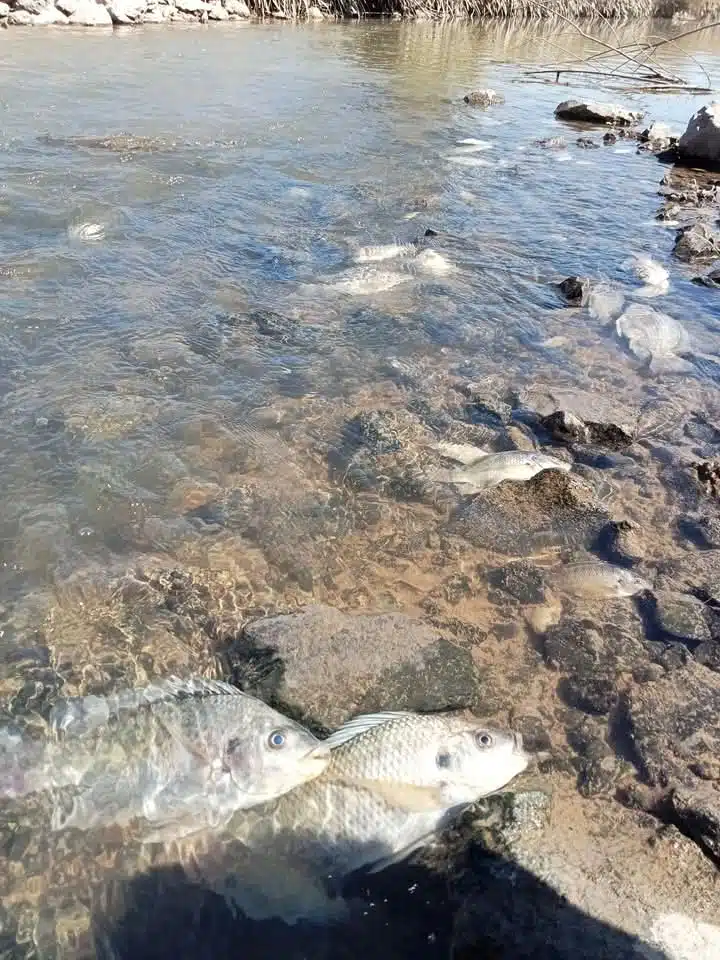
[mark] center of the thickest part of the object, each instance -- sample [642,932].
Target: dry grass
[481,9]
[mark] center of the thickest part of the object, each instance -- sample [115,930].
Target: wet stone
[697,242]
[708,475]
[591,111]
[710,279]
[586,738]
[575,290]
[333,665]
[595,695]
[483,98]
[587,143]
[682,616]
[534,734]
[522,581]
[698,813]
[597,776]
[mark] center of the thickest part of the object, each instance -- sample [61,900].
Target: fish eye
[276,740]
[443,760]
[484,739]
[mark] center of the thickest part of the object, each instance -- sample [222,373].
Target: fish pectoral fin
[360,724]
[464,453]
[407,796]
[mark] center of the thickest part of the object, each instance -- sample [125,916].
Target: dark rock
[702,531]
[697,811]
[669,211]
[697,242]
[550,509]
[708,654]
[587,143]
[708,474]
[521,580]
[575,290]
[620,542]
[592,694]
[566,426]
[675,722]
[711,279]
[609,138]
[597,776]
[682,616]
[335,665]
[552,143]
[700,143]
[535,736]
[580,648]
[586,739]
[374,429]
[274,325]
[483,98]
[592,112]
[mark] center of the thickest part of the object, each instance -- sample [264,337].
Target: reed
[444,10]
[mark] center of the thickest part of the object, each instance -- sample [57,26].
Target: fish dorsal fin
[76,716]
[361,724]
[464,453]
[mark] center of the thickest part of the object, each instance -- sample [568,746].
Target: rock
[552,143]
[658,137]
[68,7]
[575,290]
[4,9]
[609,139]
[126,11]
[711,279]
[315,13]
[522,581]
[567,427]
[552,508]
[701,141]
[20,18]
[49,16]
[675,725]
[157,14]
[587,143]
[32,6]
[90,14]
[237,8]
[708,475]
[697,811]
[682,616]
[217,11]
[331,665]
[697,242]
[483,98]
[591,112]
[191,6]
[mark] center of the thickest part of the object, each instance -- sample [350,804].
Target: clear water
[139,385]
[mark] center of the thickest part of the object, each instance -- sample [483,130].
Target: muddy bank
[91,13]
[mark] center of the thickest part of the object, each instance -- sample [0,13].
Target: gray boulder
[697,242]
[90,14]
[4,9]
[126,11]
[589,111]
[329,665]
[701,140]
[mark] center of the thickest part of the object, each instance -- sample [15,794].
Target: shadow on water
[482,907]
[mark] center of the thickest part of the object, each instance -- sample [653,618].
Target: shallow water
[176,364]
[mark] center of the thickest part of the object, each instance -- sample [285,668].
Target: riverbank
[90,13]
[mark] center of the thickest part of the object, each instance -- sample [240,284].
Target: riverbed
[186,332]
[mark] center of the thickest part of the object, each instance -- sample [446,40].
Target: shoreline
[112,13]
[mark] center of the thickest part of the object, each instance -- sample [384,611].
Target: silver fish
[649,271]
[655,337]
[482,470]
[593,578]
[385,251]
[182,755]
[394,780]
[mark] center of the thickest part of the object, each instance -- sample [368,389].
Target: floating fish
[394,780]
[385,251]
[653,274]
[656,338]
[482,470]
[593,578]
[181,754]
[434,262]
[367,281]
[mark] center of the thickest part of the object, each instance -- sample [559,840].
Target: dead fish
[482,470]
[605,302]
[648,270]
[434,262]
[182,755]
[394,780]
[367,281]
[593,578]
[385,251]
[656,338]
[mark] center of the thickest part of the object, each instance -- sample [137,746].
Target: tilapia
[394,780]
[652,273]
[593,578]
[656,338]
[482,470]
[367,281]
[182,755]
[385,251]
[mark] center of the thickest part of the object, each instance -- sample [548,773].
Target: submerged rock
[483,98]
[711,279]
[575,290]
[567,427]
[701,141]
[708,475]
[331,664]
[590,111]
[699,241]
[550,509]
